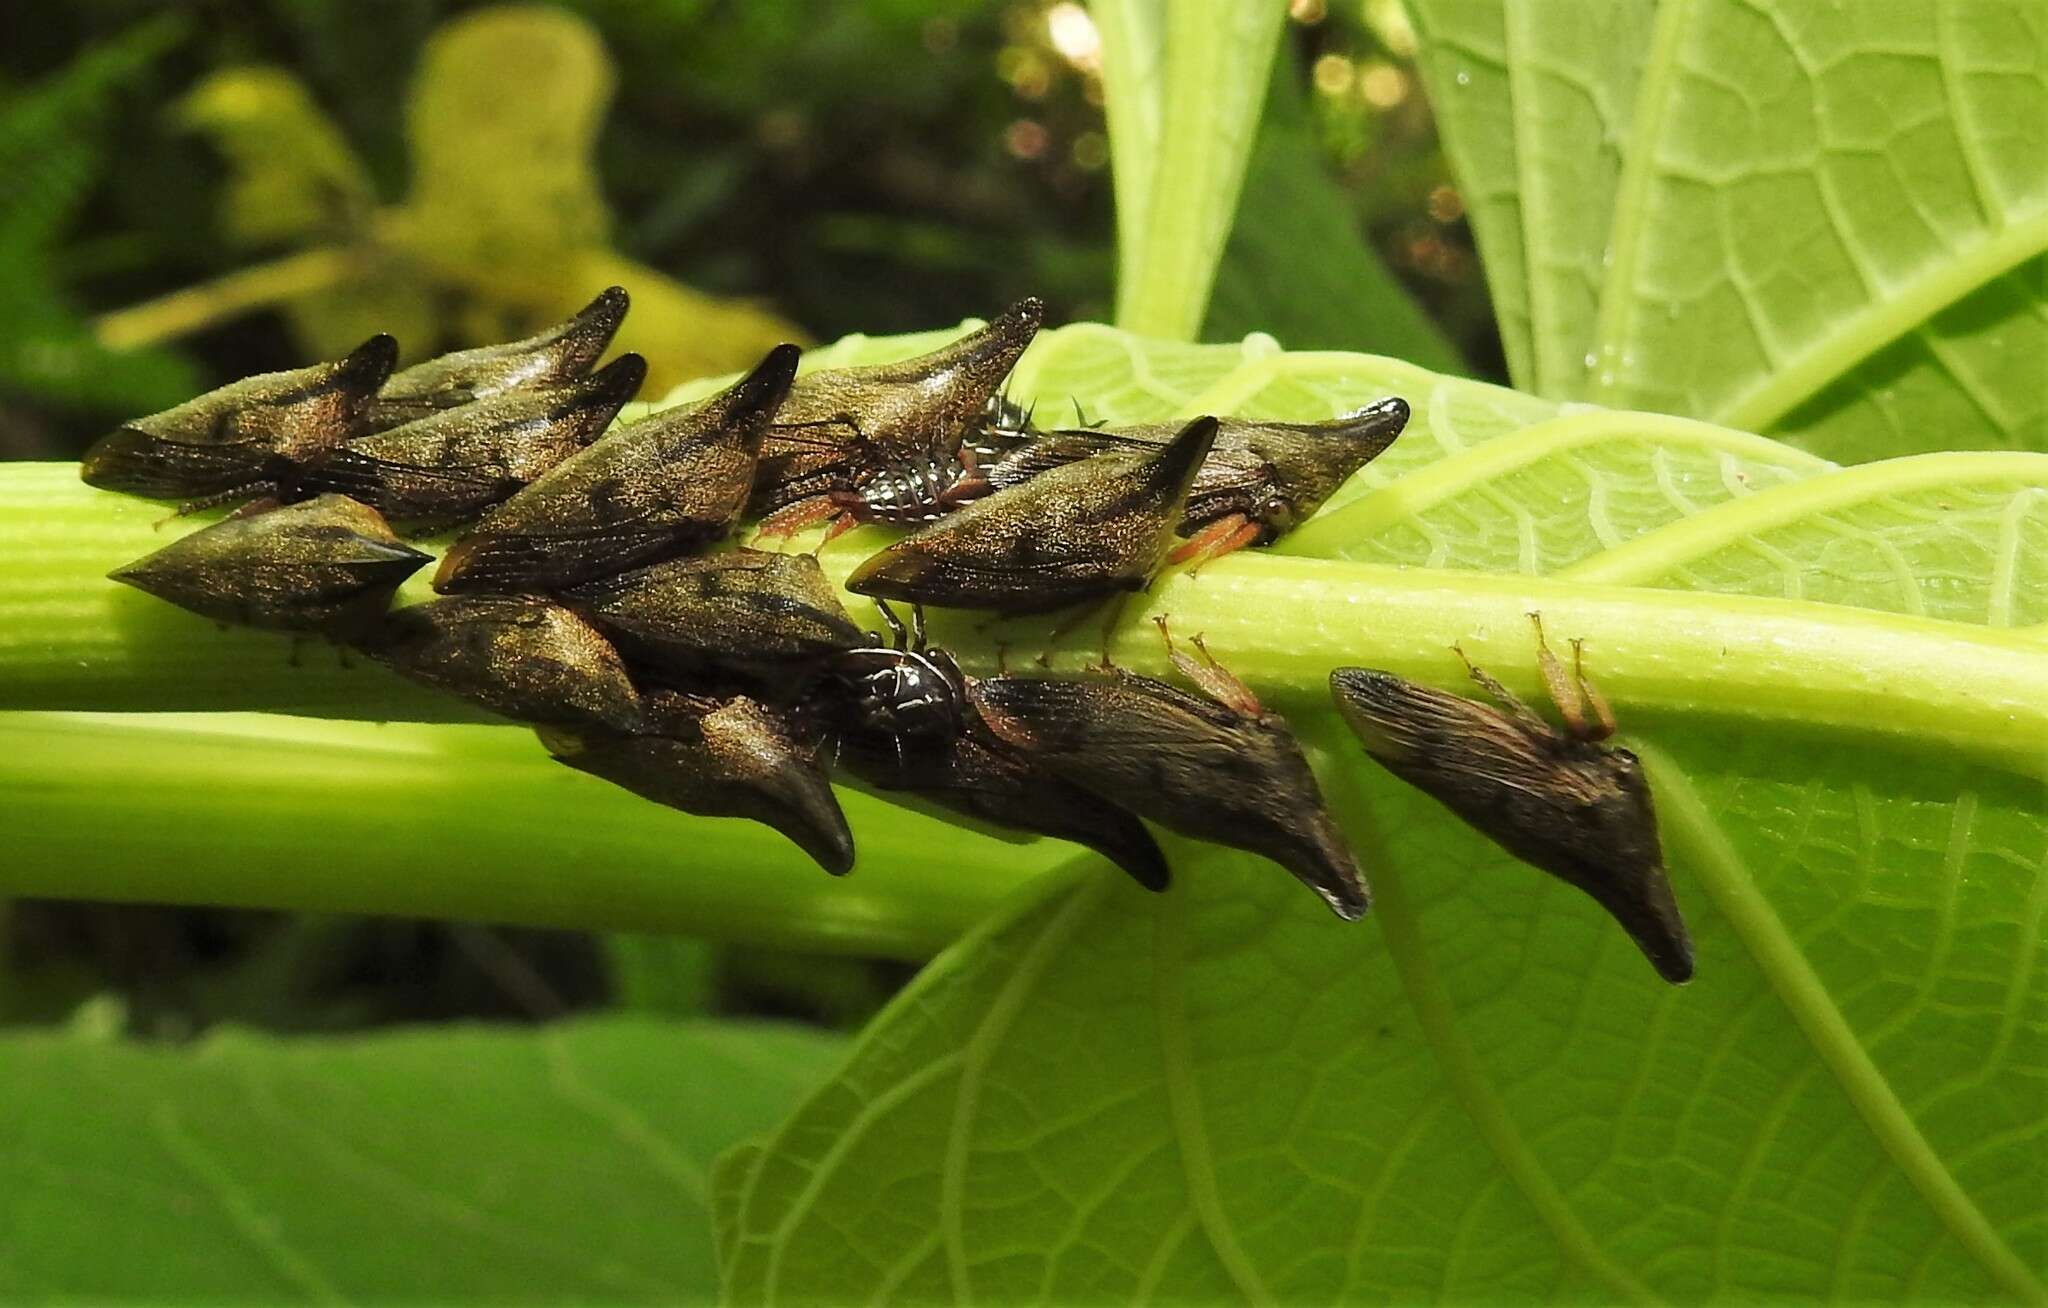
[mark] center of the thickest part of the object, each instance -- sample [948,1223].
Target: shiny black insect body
[933,484]
[905,693]
[900,717]
[1558,800]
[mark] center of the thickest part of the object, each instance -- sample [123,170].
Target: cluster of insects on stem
[593,593]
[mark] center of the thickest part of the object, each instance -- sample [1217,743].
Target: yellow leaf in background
[293,176]
[504,229]
[504,117]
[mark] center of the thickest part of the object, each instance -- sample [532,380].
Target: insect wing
[719,759]
[328,566]
[1187,763]
[531,660]
[560,354]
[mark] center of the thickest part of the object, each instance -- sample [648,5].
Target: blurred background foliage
[233,187]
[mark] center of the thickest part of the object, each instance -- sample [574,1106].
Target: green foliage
[503,229]
[563,1163]
[1224,1093]
[52,151]
[1832,674]
[1184,83]
[1822,223]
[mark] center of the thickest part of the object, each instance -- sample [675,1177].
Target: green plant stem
[186,311]
[69,639]
[471,822]
[1203,66]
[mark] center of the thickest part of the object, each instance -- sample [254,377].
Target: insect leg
[1216,681]
[902,639]
[793,518]
[917,640]
[1531,722]
[1562,692]
[1603,724]
[1232,532]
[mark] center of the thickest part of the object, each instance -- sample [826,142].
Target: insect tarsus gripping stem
[1527,719]
[1603,712]
[1216,681]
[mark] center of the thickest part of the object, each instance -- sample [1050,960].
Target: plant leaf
[1298,264]
[51,154]
[562,1163]
[1484,1093]
[1202,67]
[1533,103]
[1826,224]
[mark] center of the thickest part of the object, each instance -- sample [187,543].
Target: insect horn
[366,367]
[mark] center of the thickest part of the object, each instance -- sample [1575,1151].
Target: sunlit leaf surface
[1822,222]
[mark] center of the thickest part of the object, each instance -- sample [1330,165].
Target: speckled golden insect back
[247,438]
[1215,767]
[560,354]
[1078,532]
[450,466]
[1558,800]
[530,659]
[1260,480]
[737,610]
[326,567]
[672,482]
[841,426]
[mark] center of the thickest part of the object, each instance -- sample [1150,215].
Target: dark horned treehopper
[736,610]
[449,467]
[1260,481]
[1558,800]
[841,427]
[719,757]
[901,718]
[1218,768]
[1078,532]
[560,354]
[328,566]
[246,439]
[672,482]
[529,659]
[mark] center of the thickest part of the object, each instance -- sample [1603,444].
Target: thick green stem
[69,639]
[260,811]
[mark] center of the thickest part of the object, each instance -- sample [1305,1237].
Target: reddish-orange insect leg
[1216,540]
[790,519]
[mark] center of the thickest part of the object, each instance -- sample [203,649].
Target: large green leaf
[1480,1092]
[1483,1092]
[1826,222]
[567,1163]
